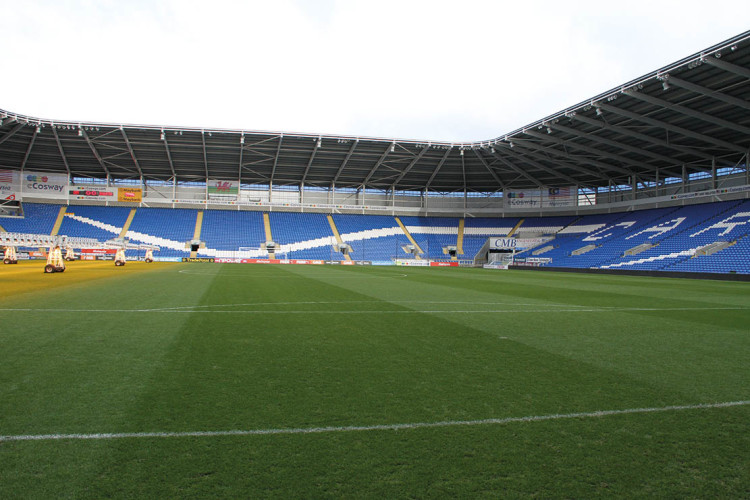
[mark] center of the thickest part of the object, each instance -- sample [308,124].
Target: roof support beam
[205,156]
[595,151]
[643,137]
[575,159]
[687,111]
[62,153]
[463,174]
[609,142]
[438,167]
[239,168]
[516,169]
[12,132]
[93,150]
[727,66]
[540,166]
[673,128]
[132,153]
[377,165]
[28,149]
[698,89]
[346,160]
[276,158]
[540,154]
[169,158]
[492,172]
[318,144]
[411,164]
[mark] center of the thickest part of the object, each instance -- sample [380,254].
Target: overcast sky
[461,70]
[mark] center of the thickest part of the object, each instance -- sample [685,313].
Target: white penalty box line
[364,428]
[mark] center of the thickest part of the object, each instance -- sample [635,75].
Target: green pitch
[247,381]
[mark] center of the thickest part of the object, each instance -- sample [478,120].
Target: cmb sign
[503,243]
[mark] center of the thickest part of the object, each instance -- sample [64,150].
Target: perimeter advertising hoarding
[44,185]
[9,185]
[134,195]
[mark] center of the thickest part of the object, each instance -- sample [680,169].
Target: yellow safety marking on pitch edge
[337,235]
[197,231]
[408,235]
[460,239]
[128,222]
[516,228]
[269,236]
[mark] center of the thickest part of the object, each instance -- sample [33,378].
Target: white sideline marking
[361,428]
[409,311]
[282,276]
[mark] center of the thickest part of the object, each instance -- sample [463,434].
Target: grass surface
[194,347]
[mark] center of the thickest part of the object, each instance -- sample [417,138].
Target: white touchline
[361,428]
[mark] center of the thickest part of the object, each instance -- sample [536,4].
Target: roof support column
[28,150]
[713,173]
[684,179]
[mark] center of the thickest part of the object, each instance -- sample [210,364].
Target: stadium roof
[690,116]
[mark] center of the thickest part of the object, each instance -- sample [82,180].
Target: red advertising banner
[443,264]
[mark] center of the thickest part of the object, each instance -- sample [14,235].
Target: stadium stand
[478,229]
[372,237]
[303,236]
[432,234]
[227,231]
[167,228]
[101,223]
[38,218]
[712,237]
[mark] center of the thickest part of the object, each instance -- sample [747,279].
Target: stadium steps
[515,228]
[2,230]
[127,224]
[460,239]
[411,239]
[269,236]
[337,235]
[59,221]
[197,231]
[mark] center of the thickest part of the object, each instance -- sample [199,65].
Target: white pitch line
[409,311]
[362,428]
[344,302]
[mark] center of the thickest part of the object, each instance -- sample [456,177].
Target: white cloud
[432,70]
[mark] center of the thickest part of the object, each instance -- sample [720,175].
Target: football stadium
[559,311]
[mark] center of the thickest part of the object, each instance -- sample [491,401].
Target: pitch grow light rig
[55,261]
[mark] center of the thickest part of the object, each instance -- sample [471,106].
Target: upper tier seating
[38,218]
